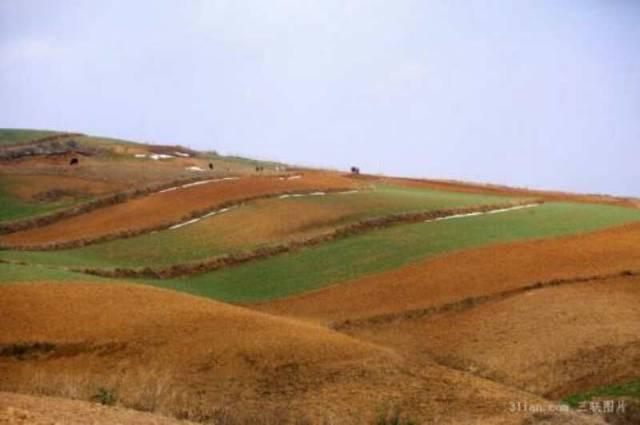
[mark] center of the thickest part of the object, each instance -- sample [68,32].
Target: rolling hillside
[202,287]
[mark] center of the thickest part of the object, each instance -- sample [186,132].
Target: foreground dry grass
[473,273]
[168,207]
[18,409]
[187,357]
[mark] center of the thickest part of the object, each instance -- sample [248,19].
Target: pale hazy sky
[539,93]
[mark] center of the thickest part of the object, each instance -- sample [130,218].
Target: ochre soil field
[454,186]
[265,221]
[181,355]
[30,187]
[473,273]
[553,341]
[168,207]
[19,409]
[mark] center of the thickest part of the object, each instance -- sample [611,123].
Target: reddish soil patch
[553,342]
[168,207]
[471,273]
[188,354]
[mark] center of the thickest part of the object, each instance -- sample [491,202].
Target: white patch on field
[168,190]
[477,213]
[194,168]
[182,154]
[198,183]
[157,156]
[301,195]
[140,155]
[207,215]
[186,223]
[294,177]
[184,186]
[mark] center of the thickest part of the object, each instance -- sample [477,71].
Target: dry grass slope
[188,357]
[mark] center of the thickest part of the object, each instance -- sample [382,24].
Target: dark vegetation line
[102,202]
[228,260]
[472,302]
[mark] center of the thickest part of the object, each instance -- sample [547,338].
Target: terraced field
[382,250]
[472,273]
[256,224]
[167,208]
[373,252]
[355,296]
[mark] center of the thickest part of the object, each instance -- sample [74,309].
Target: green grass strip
[393,247]
[629,389]
[380,250]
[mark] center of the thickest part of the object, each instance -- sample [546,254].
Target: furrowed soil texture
[553,342]
[176,354]
[257,224]
[168,208]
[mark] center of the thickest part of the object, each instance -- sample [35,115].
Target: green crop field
[14,208]
[629,389]
[13,273]
[369,253]
[385,249]
[253,225]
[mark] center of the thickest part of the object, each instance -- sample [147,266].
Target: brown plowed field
[28,187]
[464,187]
[471,273]
[169,207]
[553,342]
[18,409]
[177,354]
